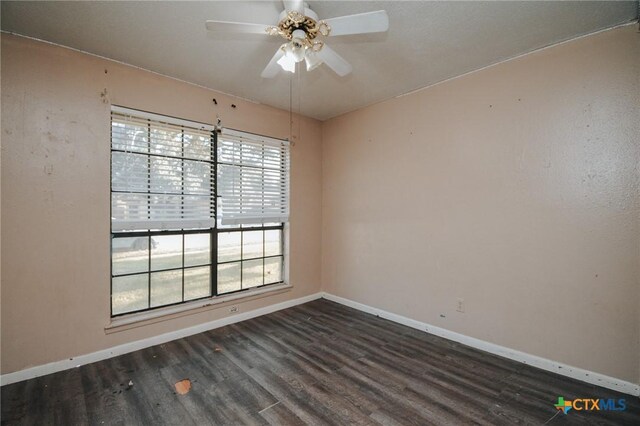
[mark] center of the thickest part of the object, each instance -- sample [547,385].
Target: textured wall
[514,188]
[55,195]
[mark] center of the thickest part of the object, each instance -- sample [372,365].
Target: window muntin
[166,248]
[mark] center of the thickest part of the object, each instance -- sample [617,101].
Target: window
[254,189]
[170,242]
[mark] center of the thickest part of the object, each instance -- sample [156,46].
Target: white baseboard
[536,361]
[53,367]
[543,363]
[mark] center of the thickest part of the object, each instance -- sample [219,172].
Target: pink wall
[55,196]
[514,188]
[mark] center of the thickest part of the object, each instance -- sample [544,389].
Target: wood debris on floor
[183,386]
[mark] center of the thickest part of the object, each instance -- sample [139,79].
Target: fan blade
[369,22]
[237,27]
[334,61]
[294,5]
[272,68]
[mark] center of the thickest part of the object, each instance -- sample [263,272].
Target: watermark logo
[590,404]
[563,405]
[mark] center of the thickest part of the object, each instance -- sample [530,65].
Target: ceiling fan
[300,26]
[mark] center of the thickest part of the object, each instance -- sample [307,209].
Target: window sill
[162,314]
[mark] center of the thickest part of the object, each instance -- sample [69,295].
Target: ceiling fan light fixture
[297,45]
[297,51]
[293,53]
[287,61]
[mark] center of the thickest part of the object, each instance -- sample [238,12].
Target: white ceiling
[427,42]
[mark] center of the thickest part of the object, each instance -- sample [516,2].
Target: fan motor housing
[291,21]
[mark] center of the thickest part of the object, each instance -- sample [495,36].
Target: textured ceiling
[427,42]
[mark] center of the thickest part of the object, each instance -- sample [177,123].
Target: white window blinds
[162,172]
[253,178]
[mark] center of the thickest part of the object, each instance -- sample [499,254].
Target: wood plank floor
[317,363]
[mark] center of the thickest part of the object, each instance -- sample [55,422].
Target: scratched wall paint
[55,195]
[514,188]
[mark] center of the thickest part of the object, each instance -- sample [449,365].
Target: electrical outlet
[233,309]
[460,305]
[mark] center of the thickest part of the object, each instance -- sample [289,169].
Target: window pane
[129,137]
[252,244]
[228,152]
[197,146]
[166,208]
[197,177]
[273,242]
[166,287]
[129,172]
[129,255]
[166,252]
[273,270]
[197,250]
[229,277]
[252,273]
[166,175]
[126,208]
[197,283]
[129,293]
[166,140]
[228,246]
[198,207]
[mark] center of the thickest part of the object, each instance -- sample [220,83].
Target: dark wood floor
[318,363]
